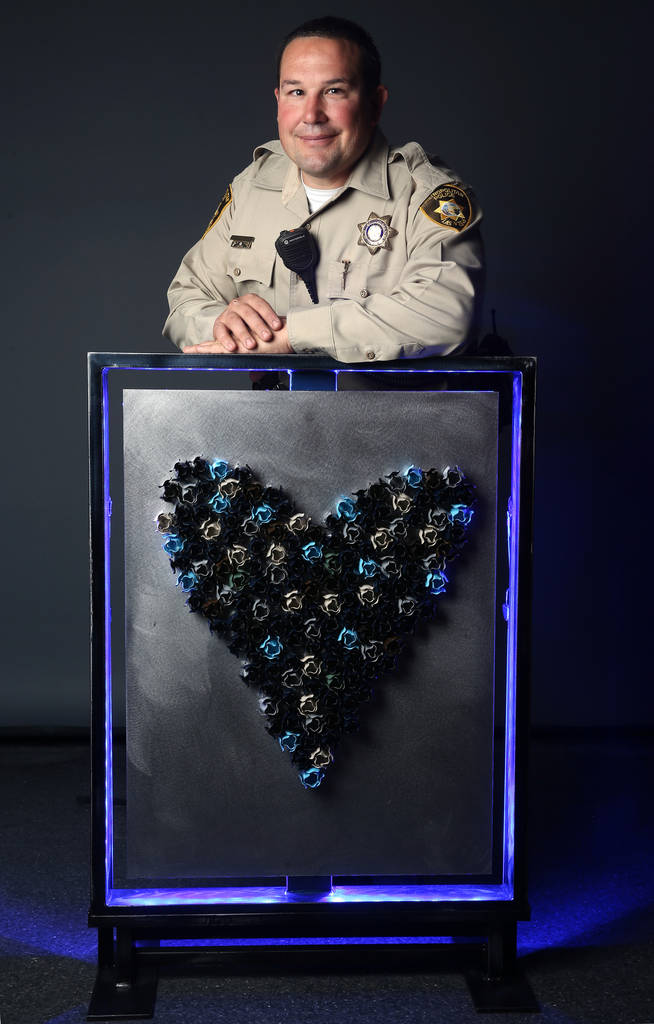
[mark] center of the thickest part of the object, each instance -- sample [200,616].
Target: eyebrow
[331,81]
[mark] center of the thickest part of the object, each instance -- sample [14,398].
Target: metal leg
[502,986]
[124,989]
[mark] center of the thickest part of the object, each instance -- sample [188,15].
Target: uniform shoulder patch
[223,204]
[449,205]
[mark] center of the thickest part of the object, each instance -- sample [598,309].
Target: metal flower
[210,529]
[321,757]
[346,509]
[349,638]
[292,601]
[310,665]
[311,777]
[331,604]
[312,552]
[272,647]
[381,539]
[164,522]
[414,476]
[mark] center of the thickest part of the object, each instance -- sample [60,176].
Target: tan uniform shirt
[413,296]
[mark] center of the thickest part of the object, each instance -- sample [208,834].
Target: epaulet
[269,166]
[427,171]
[447,201]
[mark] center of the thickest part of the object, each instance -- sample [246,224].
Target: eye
[335,89]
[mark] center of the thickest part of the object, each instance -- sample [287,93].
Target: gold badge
[222,206]
[448,205]
[376,233]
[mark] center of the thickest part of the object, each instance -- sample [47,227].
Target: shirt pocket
[348,279]
[251,271]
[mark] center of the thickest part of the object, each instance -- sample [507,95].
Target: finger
[263,308]
[244,311]
[203,348]
[224,337]
[236,327]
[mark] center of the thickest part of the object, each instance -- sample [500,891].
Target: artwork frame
[128,918]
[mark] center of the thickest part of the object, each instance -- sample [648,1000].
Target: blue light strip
[108,745]
[513,526]
[340,894]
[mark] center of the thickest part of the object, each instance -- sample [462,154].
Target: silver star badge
[376,232]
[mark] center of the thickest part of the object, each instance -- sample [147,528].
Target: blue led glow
[124,897]
[512,636]
[108,716]
[339,894]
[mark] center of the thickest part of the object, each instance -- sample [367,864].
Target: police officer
[331,242]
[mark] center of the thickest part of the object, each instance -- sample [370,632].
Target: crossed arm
[248,325]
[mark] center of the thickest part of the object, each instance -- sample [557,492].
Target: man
[391,239]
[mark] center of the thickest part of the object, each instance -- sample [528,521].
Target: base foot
[110,1001]
[509,994]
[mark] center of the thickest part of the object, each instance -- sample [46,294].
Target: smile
[316,140]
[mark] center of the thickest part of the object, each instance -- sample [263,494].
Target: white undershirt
[318,196]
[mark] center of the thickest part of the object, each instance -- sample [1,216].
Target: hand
[279,343]
[247,322]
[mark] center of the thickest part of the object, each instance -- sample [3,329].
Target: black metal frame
[129,937]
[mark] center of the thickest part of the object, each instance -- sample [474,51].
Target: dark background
[123,126]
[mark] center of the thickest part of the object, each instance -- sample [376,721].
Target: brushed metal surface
[209,793]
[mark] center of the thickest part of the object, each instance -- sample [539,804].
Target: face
[325,119]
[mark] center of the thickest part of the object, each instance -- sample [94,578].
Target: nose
[313,112]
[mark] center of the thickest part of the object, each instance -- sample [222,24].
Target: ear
[277,96]
[379,99]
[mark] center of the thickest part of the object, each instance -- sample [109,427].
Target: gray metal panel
[209,793]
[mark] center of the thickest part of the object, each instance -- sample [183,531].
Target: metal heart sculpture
[320,612]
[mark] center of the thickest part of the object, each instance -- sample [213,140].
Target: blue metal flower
[288,741]
[436,582]
[312,552]
[346,509]
[414,476]
[367,567]
[272,647]
[173,545]
[218,469]
[311,778]
[187,580]
[219,503]
[460,514]
[262,513]
[348,638]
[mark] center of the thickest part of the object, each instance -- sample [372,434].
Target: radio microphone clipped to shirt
[299,252]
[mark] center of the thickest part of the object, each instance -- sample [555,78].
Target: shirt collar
[369,175]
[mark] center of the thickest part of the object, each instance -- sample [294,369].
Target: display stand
[203,842]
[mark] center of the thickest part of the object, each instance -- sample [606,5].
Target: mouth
[316,140]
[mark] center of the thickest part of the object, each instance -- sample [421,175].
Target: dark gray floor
[589,950]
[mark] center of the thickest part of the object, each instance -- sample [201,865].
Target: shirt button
[237,271]
[370,355]
[364,293]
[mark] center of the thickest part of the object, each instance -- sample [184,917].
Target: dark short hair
[340,28]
